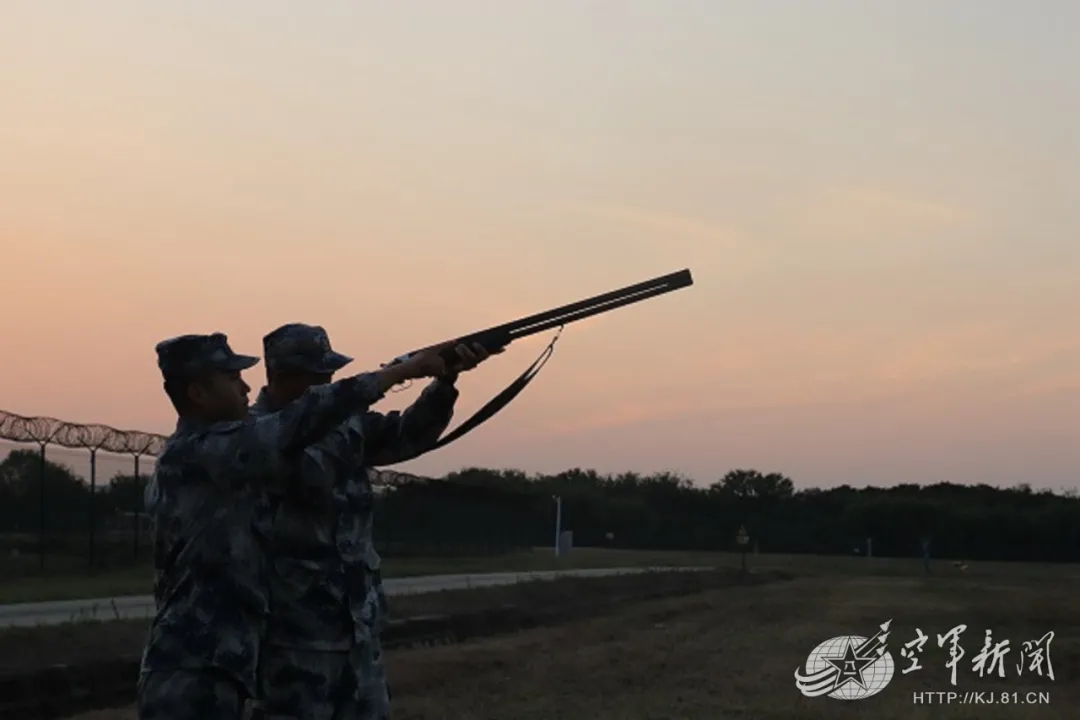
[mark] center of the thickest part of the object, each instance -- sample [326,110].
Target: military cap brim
[331,362]
[239,362]
[185,355]
[299,346]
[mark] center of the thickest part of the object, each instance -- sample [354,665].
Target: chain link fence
[72,501]
[71,495]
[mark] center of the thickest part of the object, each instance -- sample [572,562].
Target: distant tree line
[67,496]
[493,510]
[666,511]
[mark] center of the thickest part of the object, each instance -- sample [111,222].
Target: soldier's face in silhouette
[220,396]
[290,385]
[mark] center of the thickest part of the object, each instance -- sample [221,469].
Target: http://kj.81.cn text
[985,697]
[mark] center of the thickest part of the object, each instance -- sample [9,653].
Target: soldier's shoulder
[261,406]
[185,447]
[227,428]
[175,447]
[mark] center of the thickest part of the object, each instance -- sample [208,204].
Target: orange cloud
[697,242]
[680,227]
[977,349]
[842,232]
[998,357]
[1070,384]
[868,212]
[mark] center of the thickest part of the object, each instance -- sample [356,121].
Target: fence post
[44,431]
[93,492]
[41,509]
[135,511]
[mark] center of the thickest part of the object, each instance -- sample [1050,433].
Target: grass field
[137,580]
[81,643]
[732,653]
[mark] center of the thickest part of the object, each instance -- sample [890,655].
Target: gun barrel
[552,319]
[501,335]
[595,305]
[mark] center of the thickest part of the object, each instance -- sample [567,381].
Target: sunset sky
[878,201]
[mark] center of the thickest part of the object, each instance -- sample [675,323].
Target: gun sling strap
[502,335]
[493,406]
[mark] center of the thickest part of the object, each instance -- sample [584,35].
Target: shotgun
[500,336]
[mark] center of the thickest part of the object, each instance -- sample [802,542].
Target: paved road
[142,606]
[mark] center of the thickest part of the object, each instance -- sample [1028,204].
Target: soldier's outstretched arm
[396,436]
[266,446]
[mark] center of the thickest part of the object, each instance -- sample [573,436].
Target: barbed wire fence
[141,447]
[44,432]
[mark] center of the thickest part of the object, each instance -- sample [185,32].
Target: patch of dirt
[23,649]
[730,653]
[84,666]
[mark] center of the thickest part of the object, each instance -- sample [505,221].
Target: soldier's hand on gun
[470,358]
[429,363]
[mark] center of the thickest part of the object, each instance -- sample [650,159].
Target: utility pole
[742,538]
[558,521]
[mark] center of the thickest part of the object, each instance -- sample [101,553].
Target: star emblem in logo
[850,665]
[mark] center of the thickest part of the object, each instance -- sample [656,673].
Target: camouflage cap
[187,355]
[297,346]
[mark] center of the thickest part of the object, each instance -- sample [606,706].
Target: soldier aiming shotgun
[222,476]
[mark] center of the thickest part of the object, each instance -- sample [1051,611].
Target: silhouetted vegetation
[667,512]
[479,511]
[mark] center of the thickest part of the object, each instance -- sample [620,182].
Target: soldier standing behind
[208,498]
[322,659]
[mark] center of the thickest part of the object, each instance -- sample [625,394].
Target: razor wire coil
[48,431]
[97,437]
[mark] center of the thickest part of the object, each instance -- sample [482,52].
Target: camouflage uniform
[322,654]
[209,503]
